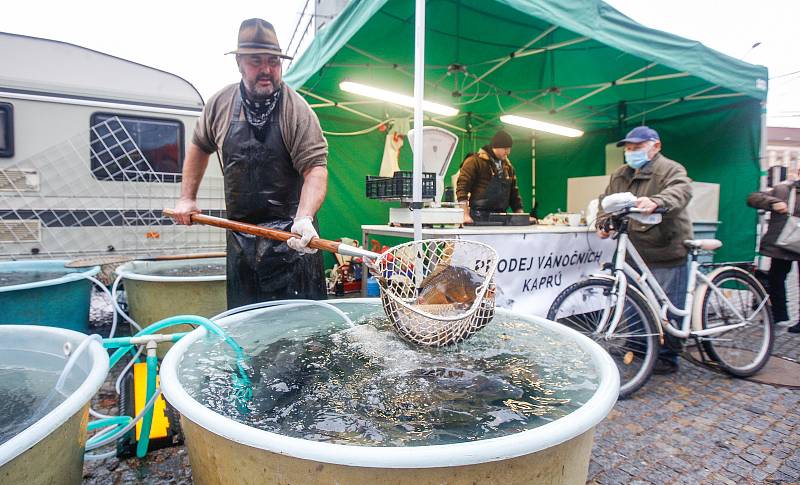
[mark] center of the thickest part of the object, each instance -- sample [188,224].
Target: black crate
[400,186]
[380,187]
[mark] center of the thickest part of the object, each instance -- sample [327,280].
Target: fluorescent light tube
[540,126]
[395,98]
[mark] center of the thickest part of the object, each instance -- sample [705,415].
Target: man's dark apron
[496,196]
[262,187]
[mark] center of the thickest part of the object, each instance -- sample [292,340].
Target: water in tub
[27,389]
[12,278]
[204,269]
[316,378]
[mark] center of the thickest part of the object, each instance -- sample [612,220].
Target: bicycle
[727,313]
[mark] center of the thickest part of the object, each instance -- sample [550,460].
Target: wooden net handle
[277,235]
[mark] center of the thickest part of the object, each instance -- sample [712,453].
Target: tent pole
[419,93]
[501,62]
[333,103]
[397,67]
[670,103]
[715,96]
[553,47]
[662,77]
[533,174]
[762,148]
[763,164]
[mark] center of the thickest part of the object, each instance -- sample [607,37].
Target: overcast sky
[189,39]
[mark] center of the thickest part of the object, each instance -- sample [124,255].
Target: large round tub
[45,293]
[47,430]
[223,450]
[159,289]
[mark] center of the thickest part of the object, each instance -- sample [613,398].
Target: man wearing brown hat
[274,160]
[487,182]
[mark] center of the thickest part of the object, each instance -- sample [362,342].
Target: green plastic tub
[45,293]
[159,289]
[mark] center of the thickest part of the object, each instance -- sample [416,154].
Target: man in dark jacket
[487,182]
[776,201]
[657,181]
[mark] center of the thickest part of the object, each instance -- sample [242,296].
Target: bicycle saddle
[706,244]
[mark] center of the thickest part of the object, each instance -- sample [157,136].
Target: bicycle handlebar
[636,210]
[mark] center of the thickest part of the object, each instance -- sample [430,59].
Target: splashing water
[314,378]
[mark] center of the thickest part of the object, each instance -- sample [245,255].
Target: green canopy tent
[578,63]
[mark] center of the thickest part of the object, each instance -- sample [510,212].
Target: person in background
[657,181]
[274,160]
[776,201]
[487,182]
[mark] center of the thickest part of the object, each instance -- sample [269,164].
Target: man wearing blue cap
[657,181]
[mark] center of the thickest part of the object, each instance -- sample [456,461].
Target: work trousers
[778,270]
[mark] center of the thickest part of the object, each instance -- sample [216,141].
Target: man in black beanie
[487,182]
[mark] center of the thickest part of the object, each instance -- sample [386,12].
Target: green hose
[241,382]
[115,421]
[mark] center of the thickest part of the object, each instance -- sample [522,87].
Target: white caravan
[91,149]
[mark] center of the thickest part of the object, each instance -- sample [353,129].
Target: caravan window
[134,149]
[6,130]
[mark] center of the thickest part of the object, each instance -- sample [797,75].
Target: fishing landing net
[437,292]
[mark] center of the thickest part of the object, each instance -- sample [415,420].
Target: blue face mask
[636,159]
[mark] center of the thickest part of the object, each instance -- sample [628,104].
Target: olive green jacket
[666,183]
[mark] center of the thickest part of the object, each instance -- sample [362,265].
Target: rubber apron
[496,196]
[262,187]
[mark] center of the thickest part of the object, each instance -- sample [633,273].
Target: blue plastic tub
[59,301]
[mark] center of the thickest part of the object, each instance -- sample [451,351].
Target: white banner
[534,268]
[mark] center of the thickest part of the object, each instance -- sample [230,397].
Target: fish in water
[454,384]
[455,285]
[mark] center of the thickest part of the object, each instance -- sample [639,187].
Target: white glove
[304,227]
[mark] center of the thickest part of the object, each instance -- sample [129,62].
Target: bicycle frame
[657,297]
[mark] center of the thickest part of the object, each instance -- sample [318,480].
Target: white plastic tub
[225,451]
[51,449]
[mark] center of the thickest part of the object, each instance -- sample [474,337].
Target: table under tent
[577,63]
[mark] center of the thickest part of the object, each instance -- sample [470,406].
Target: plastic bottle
[373,289]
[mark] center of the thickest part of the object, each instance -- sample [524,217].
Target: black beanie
[501,139]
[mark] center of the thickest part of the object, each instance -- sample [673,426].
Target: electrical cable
[105,290]
[110,439]
[117,307]
[356,133]
[126,368]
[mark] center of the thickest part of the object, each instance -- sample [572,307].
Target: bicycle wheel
[742,351]
[634,343]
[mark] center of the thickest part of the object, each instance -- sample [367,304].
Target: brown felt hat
[257,36]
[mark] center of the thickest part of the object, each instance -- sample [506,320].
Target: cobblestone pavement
[696,426]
